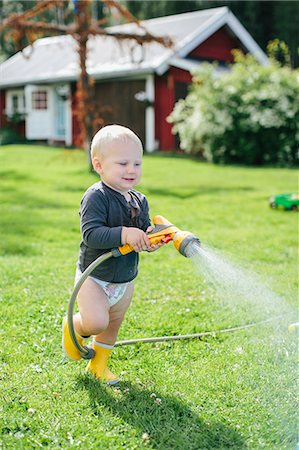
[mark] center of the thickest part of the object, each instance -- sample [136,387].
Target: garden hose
[163,232]
[193,336]
[88,352]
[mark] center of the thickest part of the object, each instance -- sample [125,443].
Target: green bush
[9,136]
[249,115]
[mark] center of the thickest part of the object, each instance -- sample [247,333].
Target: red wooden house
[136,86]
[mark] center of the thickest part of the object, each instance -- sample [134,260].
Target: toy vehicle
[285,201]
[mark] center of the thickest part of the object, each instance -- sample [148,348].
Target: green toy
[289,202]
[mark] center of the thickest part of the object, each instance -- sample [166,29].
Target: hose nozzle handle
[163,232]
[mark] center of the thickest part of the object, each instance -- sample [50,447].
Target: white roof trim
[195,42]
[201,36]
[191,66]
[246,39]
[111,74]
[116,73]
[225,18]
[185,64]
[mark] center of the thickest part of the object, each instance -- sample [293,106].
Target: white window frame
[40,103]
[10,94]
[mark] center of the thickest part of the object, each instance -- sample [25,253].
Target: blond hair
[110,133]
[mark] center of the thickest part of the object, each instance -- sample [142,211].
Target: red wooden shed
[136,86]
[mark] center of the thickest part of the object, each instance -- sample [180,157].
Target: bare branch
[40,26]
[123,11]
[141,38]
[14,18]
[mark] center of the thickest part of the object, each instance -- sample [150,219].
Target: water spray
[163,232]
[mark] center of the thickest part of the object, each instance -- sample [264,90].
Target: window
[39,100]
[15,101]
[15,104]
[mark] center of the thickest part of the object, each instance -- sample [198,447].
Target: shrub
[249,115]
[9,136]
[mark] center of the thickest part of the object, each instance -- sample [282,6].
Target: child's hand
[153,247]
[136,238]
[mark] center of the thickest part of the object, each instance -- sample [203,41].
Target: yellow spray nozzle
[182,239]
[163,232]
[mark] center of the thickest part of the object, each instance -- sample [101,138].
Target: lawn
[226,391]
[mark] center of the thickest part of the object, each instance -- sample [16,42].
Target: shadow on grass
[169,423]
[14,175]
[184,193]
[24,216]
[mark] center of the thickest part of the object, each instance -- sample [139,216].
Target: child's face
[120,166]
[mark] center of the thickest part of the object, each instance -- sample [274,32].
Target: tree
[249,115]
[25,27]
[279,51]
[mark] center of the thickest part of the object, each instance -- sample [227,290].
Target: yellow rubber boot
[69,348]
[98,364]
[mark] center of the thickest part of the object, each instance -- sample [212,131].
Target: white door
[63,114]
[39,112]
[60,117]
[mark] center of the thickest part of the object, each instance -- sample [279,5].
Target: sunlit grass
[226,391]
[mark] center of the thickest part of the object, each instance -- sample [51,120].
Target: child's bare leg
[104,341]
[93,316]
[116,316]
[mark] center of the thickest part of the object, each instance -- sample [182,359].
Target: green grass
[227,391]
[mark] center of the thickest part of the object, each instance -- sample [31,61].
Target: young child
[111,214]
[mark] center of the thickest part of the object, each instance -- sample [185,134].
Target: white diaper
[114,291]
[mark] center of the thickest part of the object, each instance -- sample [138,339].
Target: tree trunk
[85,87]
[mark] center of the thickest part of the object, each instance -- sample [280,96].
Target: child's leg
[104,342]
[116,316]
[93,316]
[92,319]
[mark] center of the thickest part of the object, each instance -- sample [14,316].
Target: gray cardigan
[103,213]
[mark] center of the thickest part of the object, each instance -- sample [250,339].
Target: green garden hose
[163,232]
[193,336]
[88,353]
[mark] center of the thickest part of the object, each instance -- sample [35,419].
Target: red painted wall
[217,47]
[19,128]
[164,103]
[3,121]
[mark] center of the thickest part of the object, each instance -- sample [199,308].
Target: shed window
[15,103]
[39,100]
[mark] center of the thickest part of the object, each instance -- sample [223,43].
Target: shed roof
[54,59]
